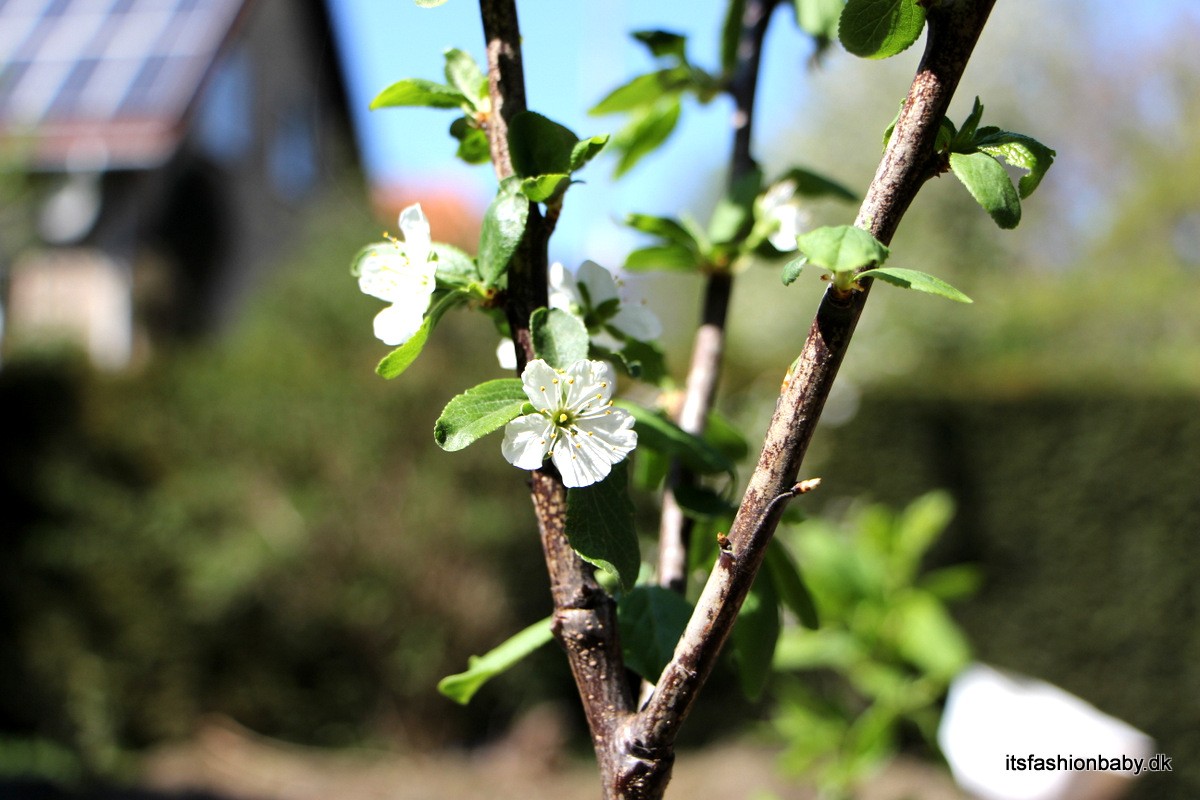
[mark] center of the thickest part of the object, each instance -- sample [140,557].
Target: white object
[1007,737]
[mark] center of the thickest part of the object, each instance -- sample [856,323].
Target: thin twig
[708,347]
[585,620]
[907,164]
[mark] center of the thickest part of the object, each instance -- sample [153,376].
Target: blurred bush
[257,526]
[877,668]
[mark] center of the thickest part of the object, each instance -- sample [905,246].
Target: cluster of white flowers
[593,295]
[401,273]
[573,423]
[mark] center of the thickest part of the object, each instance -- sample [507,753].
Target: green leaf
[731,34]
[600,526]
[454,267]
[646,359]
[665,228]
[480,669]
[1021,151]
[664,43]
[477,412]
[400,359]
[789,584]
[652,620]
[543,187]
[819,18]
[700,502]
[725,436]
[646,131]
[643,91]
[792,269]
[841,248]
[465,75]
[418,92]
[810,184]
[880,28]
[656,432]
[916,529]
[914,279]
[754,637]
[988,182]
[927,637]
[539,146]
[559,337]
[503,227]
[966,134]
[734,213]
[666,257]
[473,145]
[585,150]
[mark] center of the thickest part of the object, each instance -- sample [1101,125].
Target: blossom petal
[506,354]
[527,439]
[580,463]
[541,384]
[638,322]
[381,273]
[397,323]
[613,429]
[588,383]
[563,292]
[597,282]
[415,228]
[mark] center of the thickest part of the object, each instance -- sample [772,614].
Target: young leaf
[544,187]
[600,526]
[819,18]
[646,131]
[928,637]
[539,146]
[880,28]
[503,227]
[810,184]
[666,257]
[665,228]
[754,637]
[841,248]
[651,619]
[400,359]
[664,43]
[454,267]
[1020,151]
[658,433]
[473,146]
[480,669]
[789,584]
[965,135]
[643,91]
[914,279]
[734,213]
[464,74]
[559,337]
[585,150]
[990,185]
[477,412]
[418,92]
[792,269]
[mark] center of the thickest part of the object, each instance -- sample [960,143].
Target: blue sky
[574,54]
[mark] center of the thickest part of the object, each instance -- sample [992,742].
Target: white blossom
[781,205]
[592,295]
[401,273]
[506,354]
[573,423]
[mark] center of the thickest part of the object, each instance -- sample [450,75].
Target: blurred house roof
[102,84]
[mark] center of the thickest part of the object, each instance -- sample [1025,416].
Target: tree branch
[585,620]
[708,347]
[908,162]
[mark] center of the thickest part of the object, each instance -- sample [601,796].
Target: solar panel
[113,78]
